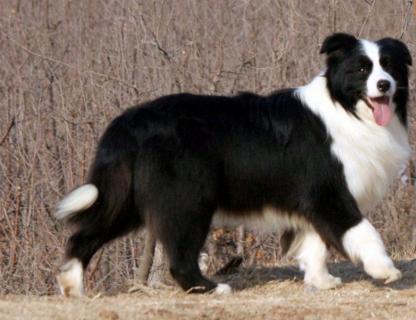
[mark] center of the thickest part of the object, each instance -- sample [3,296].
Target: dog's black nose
[383,85]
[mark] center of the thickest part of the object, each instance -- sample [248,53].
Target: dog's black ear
[397,47]
[337,42]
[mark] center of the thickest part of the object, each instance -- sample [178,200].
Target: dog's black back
[172,163]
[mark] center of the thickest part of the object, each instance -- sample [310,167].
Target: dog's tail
[107,200]
[78,200]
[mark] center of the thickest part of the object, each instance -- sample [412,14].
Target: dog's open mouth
[381,109]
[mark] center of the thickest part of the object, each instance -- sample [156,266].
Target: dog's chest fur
[371,155]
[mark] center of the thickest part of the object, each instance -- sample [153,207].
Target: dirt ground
[261,293]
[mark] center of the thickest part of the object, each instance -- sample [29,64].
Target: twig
[156,41]
[334,15]
[95,268]
[16,231]
[231,267]
[9,128]
[407,18]
[36,54]
[367,18]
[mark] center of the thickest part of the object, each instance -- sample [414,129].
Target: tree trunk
[240,241]
[159,273]
[146,260]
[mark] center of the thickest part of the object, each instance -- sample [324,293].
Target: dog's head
[373,72]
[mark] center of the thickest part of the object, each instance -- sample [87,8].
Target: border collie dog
[308,161]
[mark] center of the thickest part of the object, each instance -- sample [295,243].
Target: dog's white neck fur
[372,155]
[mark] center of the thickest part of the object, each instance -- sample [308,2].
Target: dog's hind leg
[80,248]
[104,221]
[183,233]
[179,208]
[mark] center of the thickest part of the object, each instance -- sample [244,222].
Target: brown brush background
[68,67]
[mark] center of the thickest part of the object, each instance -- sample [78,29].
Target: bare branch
[406,18]
[9,128]
[367,18]
[36,54]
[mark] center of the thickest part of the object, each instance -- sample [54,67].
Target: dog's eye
[363,69]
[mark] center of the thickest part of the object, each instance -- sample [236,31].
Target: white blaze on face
[372,51]
[380,101]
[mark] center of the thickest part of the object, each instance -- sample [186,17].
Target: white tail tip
[80,199]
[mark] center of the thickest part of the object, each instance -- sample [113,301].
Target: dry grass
[264,294]
[68,67]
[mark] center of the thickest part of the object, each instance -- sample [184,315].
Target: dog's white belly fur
[268,220]
[307,247]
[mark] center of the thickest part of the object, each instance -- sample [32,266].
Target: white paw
[323,282]
[70,279]
[394,275]
[389,275]
[383,269]
[223,288]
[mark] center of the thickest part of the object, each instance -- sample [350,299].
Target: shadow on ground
[250,277]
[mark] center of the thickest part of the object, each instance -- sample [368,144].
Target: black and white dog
[308,161]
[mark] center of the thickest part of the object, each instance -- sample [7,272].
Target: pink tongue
[381,112]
